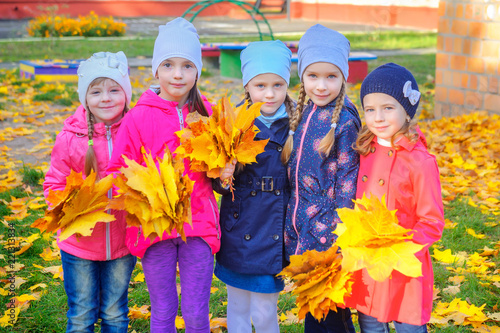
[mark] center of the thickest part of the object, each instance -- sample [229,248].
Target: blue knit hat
[321,44]
[177,38]
[396,81]
[103,64]
[266,57]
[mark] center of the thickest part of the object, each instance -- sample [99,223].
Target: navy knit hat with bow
[395,81]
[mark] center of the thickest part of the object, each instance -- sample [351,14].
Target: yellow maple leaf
[319,282]
[370,237]
[156,198]
[139,312]
[229,133]
[76,209]
[10,317]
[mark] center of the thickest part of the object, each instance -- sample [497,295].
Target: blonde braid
[294,123]
[248,98]
[90,158]
[290,107]
[326,144]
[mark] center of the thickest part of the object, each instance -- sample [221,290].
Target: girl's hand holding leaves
[77,208]
[370,237]
[227,135]
[156,197]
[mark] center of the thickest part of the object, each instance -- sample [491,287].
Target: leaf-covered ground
[467,277]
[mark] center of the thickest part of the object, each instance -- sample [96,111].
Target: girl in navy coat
[322,164]
[252,250]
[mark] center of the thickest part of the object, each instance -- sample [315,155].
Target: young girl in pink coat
[395,163]
[97,268]
[152,123]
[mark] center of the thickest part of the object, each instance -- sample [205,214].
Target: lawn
[467,278]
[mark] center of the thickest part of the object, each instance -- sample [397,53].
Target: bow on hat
[412,95]
[113,62]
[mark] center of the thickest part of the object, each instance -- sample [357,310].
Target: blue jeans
[335,322]
[97,289]
[369,324]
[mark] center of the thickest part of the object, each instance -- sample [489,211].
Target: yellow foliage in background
[91,25]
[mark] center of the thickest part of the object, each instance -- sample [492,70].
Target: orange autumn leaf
[319,282]
[76,209]
[229,133]
[156,198]
[370,237]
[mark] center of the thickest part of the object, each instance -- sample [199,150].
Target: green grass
[79,48]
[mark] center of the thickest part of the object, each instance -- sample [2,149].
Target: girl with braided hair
[322,165]
[252,224]
[97,268]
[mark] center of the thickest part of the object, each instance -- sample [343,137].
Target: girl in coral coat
[395,163]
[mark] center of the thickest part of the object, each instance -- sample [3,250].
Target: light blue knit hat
[177,38]
[104,64]
[266,57]
[321,44]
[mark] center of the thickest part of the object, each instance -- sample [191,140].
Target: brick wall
[468,57]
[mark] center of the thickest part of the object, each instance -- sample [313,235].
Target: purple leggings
[196,269]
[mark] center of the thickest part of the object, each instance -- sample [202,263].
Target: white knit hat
[177,38]
[104,64]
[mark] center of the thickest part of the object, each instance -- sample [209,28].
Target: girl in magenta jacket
[97,268]
[152,124]
[395,163]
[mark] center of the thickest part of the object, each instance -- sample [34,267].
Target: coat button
[247,237]
[390,153]
[235,215]
[253,193]
[249,182]
[276,237]
[279,149]
[381,182]
[364,178]
[372,149]
[277,192]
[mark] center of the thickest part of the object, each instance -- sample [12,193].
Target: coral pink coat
[409,178]
[152,124]
[107,241]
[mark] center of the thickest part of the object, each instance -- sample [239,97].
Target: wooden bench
[230,63]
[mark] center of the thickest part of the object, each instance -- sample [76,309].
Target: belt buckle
[267,184]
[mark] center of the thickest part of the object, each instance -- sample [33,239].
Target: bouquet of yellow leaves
[156,198]
[370,237]
[319,282]
[77,208]
[210,143]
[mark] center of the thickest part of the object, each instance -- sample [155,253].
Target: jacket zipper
[299,155]
[181,119]
[110,196]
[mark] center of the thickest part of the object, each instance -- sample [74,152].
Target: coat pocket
[230,212]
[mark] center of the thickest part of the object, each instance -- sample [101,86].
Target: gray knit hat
[104,64]
[177,38]
[321,44]
[396,81]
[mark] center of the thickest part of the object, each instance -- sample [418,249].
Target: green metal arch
[253,11]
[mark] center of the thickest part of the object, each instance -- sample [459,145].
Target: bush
[92,25]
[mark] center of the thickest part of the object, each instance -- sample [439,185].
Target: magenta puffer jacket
[107,241]
[152,124]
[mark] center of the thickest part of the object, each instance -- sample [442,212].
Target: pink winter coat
[409,178]
[107,241]
[152,124]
